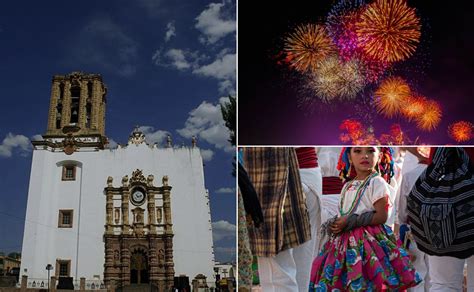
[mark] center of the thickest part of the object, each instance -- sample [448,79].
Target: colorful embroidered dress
[366,258]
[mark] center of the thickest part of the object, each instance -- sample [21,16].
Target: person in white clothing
[311,180]
[419,258]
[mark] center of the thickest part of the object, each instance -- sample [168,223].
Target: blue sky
[167,65]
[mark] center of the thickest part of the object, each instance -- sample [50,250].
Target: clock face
[138,197]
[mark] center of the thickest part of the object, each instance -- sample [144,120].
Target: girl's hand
[338,225]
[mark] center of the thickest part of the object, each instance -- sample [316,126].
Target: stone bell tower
[76,112]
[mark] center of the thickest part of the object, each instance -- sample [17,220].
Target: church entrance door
[139,268]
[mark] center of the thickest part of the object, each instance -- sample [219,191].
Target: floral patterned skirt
[366,258]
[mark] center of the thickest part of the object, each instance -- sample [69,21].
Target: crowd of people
[356,218]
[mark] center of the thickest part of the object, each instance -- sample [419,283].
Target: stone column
[101,125]
[96,99]
[151,212]
[109,209]
[82,284]
[109,259]
[153,260]
[111,287]
[82,106]
[168,234]
[167,206]
[66,112]
[52,285]
[169,264]
[52,107]
[24,283]
[125,261]
[125,202]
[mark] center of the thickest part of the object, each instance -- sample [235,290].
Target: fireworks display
[307,45]
[349,58]
[340,24]
[391,96]
[414,106]
[461,131]
[336,79]
[430,117]
[388,30]
[352,131]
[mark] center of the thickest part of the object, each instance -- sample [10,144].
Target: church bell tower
[76,113]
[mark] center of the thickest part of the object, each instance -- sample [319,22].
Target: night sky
[166,64]
[441,69]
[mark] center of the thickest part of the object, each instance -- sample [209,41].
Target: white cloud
[37,137]
[152,136]
[224,69]
[207,154]
[112,144]
[227,87]
[214,24]
[206,123]
[170,31]
[178,59]
[223,229]
[11,142]
[225,191]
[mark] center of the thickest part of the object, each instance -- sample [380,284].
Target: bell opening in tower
[75,95]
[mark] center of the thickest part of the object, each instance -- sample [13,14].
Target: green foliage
[229,114]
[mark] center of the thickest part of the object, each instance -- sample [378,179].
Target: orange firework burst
[307,45]
[391,96]
[461,131]
[388,30]
[414,107]
[430,117]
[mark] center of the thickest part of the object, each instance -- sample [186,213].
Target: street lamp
[49,267]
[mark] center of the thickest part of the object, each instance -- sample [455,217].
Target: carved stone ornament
[137,137]
[165,180]
[110,181]
[76,77]
[137,176]
[150,179]
[125,181]
[69,144]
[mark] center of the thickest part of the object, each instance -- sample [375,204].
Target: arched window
[75,96]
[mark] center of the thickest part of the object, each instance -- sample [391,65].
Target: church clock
[138,197]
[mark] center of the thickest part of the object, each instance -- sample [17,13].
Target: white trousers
[290,270]
[304,254]
[447,273]
[422,267]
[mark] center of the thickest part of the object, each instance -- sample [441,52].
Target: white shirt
[377,189]
[408,182]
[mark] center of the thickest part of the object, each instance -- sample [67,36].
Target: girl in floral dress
[362,254]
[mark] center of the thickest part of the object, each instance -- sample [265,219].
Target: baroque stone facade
[139,249]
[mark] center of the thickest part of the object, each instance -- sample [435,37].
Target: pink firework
[342,27]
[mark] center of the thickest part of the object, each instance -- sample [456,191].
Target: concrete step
[139,288]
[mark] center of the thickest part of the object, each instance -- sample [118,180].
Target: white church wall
[192,242]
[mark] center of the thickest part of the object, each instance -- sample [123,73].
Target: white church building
[131,215]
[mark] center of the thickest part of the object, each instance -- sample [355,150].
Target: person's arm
[381,211]
[377,217]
